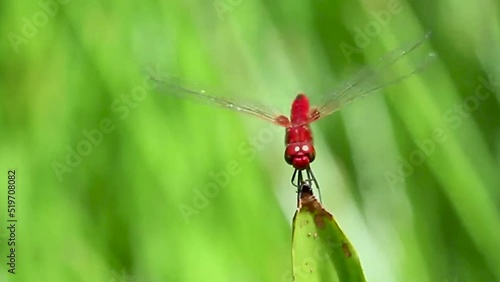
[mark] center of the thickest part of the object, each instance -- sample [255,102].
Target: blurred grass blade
[320,250]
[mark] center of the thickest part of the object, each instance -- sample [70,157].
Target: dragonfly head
[300,155]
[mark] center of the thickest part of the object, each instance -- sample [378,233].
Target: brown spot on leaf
[346,249]
[310,204]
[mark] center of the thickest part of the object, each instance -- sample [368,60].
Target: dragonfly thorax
[299,151]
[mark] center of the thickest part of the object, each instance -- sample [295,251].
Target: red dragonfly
[299,151]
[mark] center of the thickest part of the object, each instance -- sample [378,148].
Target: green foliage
[320,250]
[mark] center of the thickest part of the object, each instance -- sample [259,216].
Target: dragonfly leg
[297,174]
[300,182]
[311,178]
[310,181]
[293,179]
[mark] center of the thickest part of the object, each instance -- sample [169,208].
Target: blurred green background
[118,182]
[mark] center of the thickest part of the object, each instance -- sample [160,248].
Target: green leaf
[320,250]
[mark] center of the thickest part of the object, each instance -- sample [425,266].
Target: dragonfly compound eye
[312,154]
[288,158]
[291,153]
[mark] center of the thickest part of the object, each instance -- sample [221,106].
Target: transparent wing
[373,78]
[170,86]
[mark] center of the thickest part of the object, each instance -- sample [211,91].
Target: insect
[299,145]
